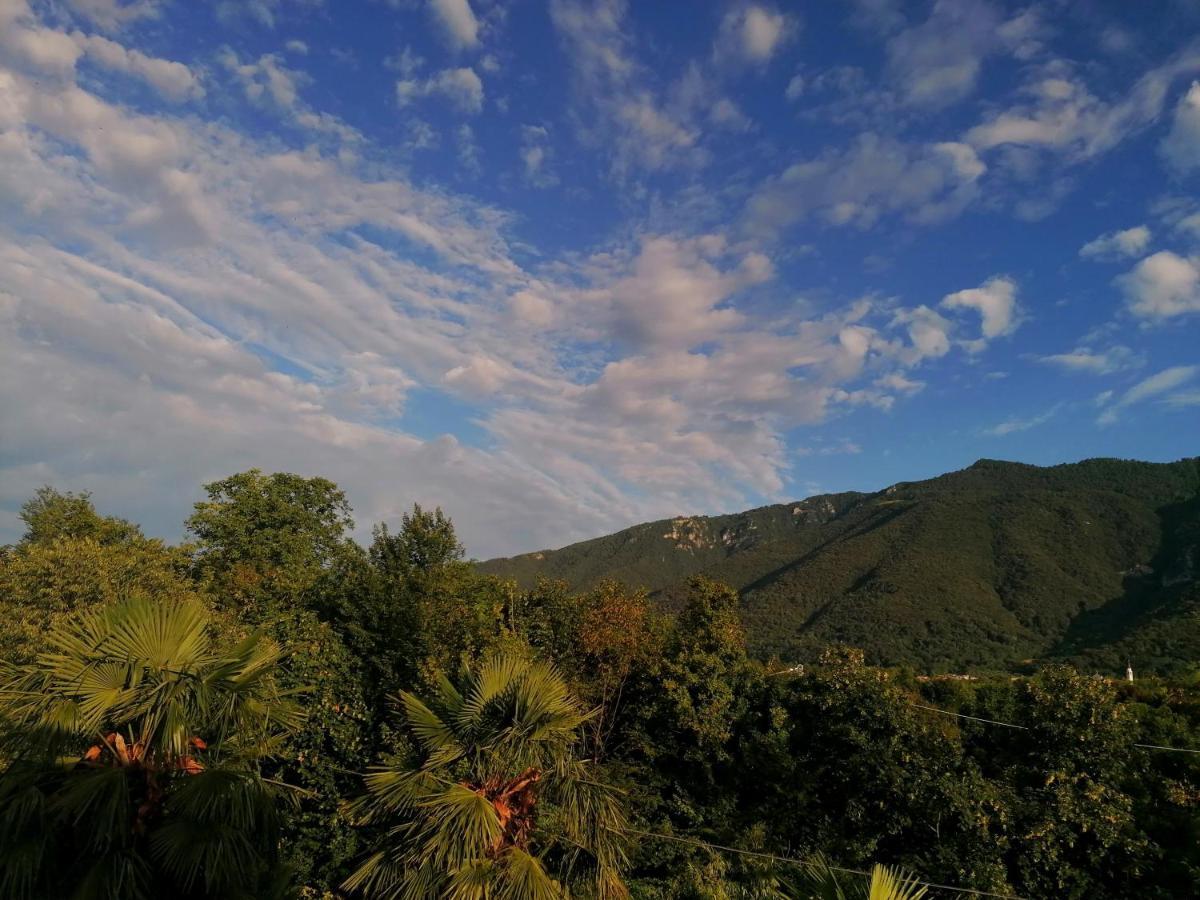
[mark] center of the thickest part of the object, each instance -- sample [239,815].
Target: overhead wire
[957,715]
[791,860]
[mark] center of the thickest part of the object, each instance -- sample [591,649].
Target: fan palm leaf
[499,805]
[820,881]
[132,749]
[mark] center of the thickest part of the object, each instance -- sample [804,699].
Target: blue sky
[561,267]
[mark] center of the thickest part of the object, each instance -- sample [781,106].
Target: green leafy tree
[690,700]
[52,515]
[425,543]
[431,609]
[133,749]
[267,540]
[685,709]
[861,774]
[599,639]
[1075,833]
[500,804]
[273,551]
[70,560]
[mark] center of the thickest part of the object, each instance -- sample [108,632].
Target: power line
[789,860]
[946,712]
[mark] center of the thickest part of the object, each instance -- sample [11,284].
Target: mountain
[982,568]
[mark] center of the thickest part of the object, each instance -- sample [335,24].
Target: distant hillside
[982,568]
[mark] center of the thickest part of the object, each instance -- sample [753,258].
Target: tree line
[270,709]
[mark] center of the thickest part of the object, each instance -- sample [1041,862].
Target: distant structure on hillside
[1129,671]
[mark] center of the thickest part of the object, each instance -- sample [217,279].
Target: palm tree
[820,881]
[500,805]
[129,754]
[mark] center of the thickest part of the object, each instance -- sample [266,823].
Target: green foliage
[499,804]
[133,748]
[820,881]
[703,676]
[425,544]
[852,768]
[46,581]
[490,784]
[601,640]
[977,569]
[266,540]
[51,516]
[272,551]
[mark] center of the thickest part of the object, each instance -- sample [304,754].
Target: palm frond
[499,792]
[143,736]
[523,877]
[890,883]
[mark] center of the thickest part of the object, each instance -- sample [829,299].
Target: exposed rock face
[986,566]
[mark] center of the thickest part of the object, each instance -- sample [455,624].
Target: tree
[702,677]
[425,543]
[273,551]
[1075,833]
[72,559]
[267,540]
[862,775]
[500,804]
[598,639]
[51,515]
[133,751]
[430,608]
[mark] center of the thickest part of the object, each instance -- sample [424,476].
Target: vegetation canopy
[852,696]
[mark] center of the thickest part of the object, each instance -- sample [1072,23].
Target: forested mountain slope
[984,567]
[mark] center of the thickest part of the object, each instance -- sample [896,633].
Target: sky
[561,267]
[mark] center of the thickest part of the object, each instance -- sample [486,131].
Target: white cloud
[1118,244]
[895,381]
[1092,362]
[1183,399]
[726,114]
[996,302]
[1162,286]
[795,88]
[928,332]
[111,15]
[535,156]
[173,80]
[469,151]
[1181,147]
[266,13]
[672,293]
[642,132]
[1014,425]
[880,16]
[296,46]
[49,50]
[1064,117]
[753,33]
[624,107]
[266,79]
[939,61]
[461,86]
[458,21]
[874,177]
[1154,386]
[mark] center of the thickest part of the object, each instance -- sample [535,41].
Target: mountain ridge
[983,567]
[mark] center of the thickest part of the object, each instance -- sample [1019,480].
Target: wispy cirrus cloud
[1164,382]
